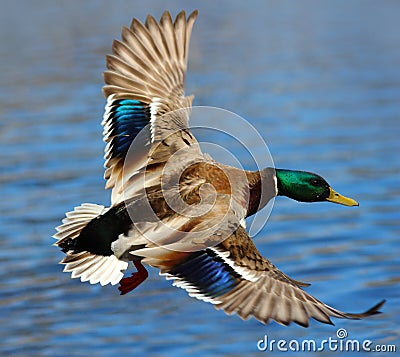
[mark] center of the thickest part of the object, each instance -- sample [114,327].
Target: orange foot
[128,284]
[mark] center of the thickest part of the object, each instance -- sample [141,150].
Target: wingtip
[150,21]
[304,324]
[166,16]
[182,15]
[374,310]
[194,13]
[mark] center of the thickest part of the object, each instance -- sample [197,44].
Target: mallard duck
[175,208]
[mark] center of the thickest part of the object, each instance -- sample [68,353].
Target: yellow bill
[342,200]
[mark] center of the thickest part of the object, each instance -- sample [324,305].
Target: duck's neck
[268,183]
[263,187]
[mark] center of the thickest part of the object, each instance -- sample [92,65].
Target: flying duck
[175,208]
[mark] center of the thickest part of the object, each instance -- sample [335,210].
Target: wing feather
[268,295]
[147,67]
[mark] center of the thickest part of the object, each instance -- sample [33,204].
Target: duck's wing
[145,83]
[237,279]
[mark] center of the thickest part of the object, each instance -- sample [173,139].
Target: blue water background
[319,80]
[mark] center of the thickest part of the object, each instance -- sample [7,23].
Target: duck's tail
[72,237]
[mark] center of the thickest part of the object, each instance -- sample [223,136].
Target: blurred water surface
[320,81]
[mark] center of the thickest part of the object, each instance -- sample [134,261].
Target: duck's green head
[308,187]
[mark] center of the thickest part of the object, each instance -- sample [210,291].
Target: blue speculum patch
[129,117]
[208,273]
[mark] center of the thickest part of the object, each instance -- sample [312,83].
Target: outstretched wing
[237,279]
[144,82]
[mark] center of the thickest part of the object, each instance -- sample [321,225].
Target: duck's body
[173,207]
